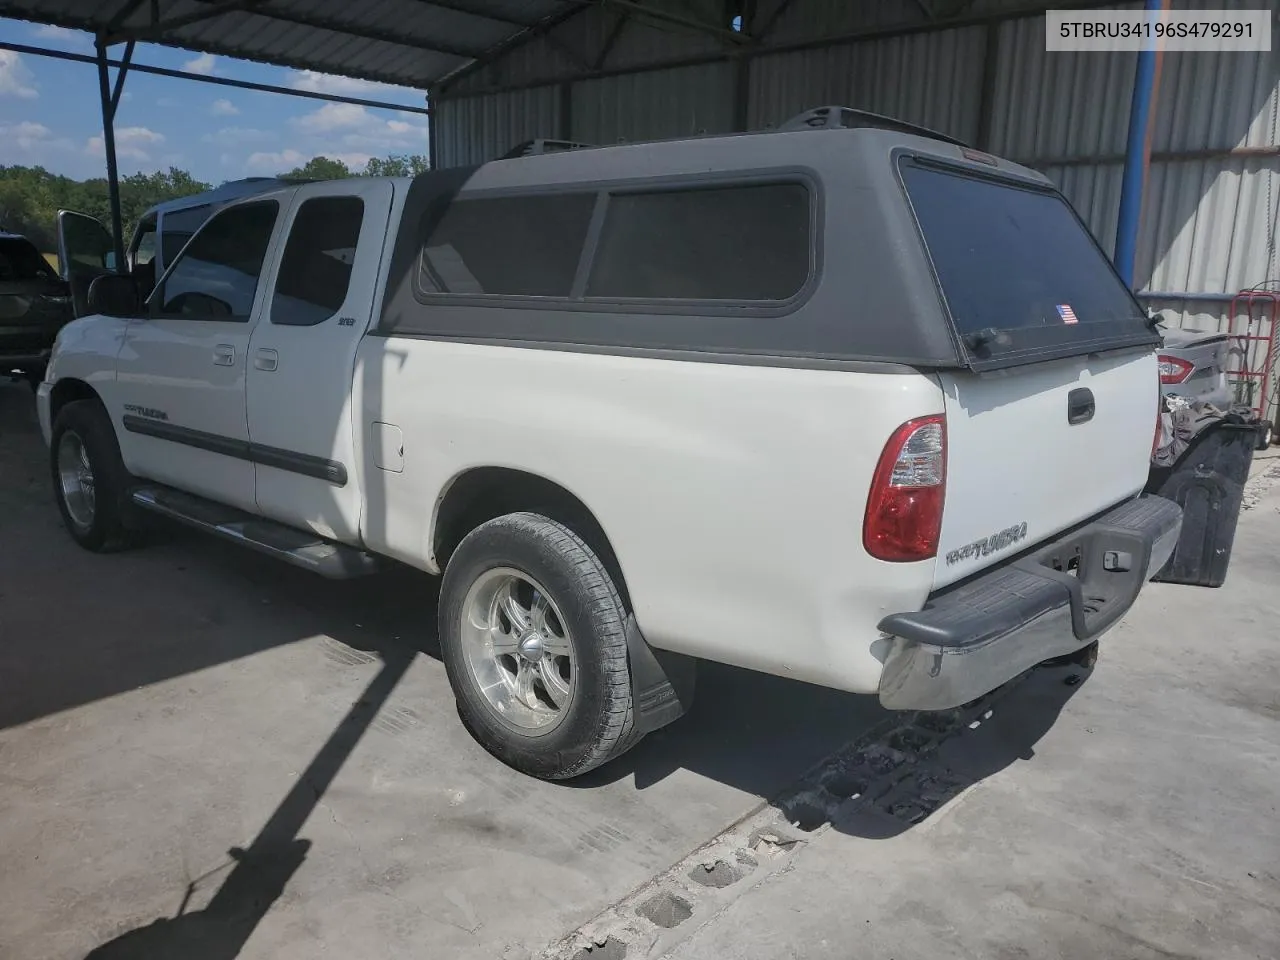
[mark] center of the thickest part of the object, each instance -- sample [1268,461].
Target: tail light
[904,508]
[1174,369]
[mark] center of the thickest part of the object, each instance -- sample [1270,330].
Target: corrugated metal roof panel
[408,42]
[576,46]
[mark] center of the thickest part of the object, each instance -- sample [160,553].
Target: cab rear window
[1018,271]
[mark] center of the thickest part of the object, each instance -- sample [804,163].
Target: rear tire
[90,482]
[533,637]
[1266,434]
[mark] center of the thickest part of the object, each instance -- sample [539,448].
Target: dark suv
[35,303]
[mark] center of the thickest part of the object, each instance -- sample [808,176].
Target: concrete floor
[1135,814]
[205,755]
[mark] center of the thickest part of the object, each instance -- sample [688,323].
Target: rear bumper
[970,639]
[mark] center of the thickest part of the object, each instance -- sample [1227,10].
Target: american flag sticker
[1066,313]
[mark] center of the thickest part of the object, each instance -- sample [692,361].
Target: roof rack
[533,147]
[836,118]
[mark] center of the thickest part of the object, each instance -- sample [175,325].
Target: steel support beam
[1137,158]
[611,40]
[506,46]
[121,72]
[109,102]
[645,11]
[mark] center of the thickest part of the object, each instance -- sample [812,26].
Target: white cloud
[26,134]
[361,129]
[346,86]
[34,140]
[132,143]
[223,108]
[206,64]
[333,116]
[229,136]
[278,162]
[15,78]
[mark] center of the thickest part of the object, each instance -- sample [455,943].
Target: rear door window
[1019,272]
[315,271]
[746,242]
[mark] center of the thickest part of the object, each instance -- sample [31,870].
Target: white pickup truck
[846,402]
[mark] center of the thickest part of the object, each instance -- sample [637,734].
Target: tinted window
[85,242]
[519,246]
[145,250]
[217,275]
[1015,259]
[177,228]
[20,260]
[316,269]
[726,243]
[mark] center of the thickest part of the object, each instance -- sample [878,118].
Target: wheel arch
[479,494]
[68,390]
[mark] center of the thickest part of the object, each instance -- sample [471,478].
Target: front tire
[1266,434]
[533,636]
[90,482]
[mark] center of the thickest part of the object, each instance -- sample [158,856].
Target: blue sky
[49,114]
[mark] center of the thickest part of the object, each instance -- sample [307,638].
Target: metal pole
[109,147]
[1135,160]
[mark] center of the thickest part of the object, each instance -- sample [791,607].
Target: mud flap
[661,682]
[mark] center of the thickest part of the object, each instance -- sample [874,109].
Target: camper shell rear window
[1020,275]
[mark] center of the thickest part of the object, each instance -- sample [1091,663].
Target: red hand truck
[1252,324]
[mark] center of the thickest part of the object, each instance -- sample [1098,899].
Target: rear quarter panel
[733,495]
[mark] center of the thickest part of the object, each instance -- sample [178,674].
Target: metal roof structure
[412,43]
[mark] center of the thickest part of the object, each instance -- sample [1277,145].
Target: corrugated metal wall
[1209,216]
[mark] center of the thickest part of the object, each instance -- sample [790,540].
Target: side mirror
[114,296]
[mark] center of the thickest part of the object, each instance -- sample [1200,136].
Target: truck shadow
[892,777]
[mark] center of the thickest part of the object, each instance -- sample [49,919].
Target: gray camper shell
[877,246]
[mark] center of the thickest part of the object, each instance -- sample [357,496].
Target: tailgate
[1051,418]
[1019,471]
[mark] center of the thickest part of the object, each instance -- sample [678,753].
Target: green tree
[319,168]
[30,198]
[397,165]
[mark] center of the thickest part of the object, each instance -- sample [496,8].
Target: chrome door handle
[224,355]
[266,359]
